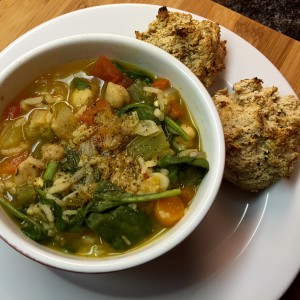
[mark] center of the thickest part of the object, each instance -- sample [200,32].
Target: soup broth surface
[98,157]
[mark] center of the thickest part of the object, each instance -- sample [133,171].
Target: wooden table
[17,17]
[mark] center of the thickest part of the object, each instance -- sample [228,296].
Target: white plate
[248,246]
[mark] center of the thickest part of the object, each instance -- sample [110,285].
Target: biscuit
[195,43]
[262,133]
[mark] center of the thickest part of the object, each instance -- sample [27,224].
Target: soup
[98,157]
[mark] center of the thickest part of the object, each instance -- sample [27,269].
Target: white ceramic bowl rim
[8,230]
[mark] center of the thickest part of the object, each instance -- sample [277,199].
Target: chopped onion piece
[146,127]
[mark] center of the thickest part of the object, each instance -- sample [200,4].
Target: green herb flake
[80,83]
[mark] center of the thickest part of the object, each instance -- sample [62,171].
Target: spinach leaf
[30,228]
[147,113]
[144,111]
[106,186]
[70,162]
[98,204]
[122,227]
[135,74]
[60,224]
[175,128]
[77,219]
[33,231]
[109,196]
[185,169]
[175,160]
[137,93]
[76,223]
[79,83]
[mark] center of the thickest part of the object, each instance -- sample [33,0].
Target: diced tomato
[176,110]
[104,69]
[89,114]
[161,83]
[12,112]
[9,166]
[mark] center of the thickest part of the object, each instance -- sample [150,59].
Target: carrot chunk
[168,211]
[10,165]
[176,110]
[161,83]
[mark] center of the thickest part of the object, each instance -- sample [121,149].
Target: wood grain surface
[17,17]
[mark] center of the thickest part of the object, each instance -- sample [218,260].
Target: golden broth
[65,119]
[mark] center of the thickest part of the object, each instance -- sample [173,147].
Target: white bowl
[32,64]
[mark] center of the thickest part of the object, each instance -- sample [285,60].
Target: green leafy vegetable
[40,133]
[117,223]
[46,136]
[60,223]
[130,198]
[108,214]
[137,93]
[25,195]
[56,209]
[155,145]
[144,111]
[52,168]
[185,169]
[108,196]
[175,128]
[135,74]
[175,160]
[79,83]
[122,227]
[30,228]
[70,163]
[77,219]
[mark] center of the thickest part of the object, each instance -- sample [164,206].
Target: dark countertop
[280,15]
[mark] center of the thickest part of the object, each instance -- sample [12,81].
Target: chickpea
[189,130]
[116,95]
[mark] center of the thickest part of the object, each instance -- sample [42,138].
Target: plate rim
[44,25]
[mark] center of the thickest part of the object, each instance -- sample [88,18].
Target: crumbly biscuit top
[262,133]
[195,43]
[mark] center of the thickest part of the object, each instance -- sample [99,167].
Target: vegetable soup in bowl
[111,153]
